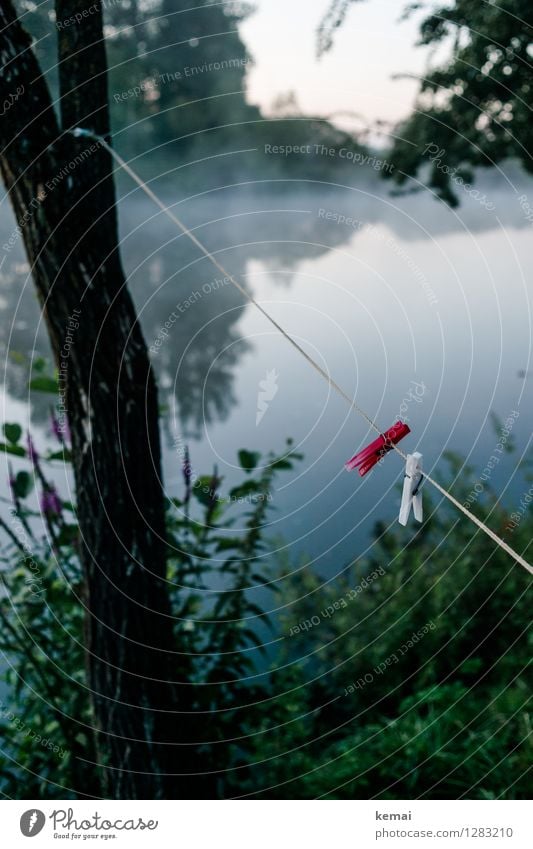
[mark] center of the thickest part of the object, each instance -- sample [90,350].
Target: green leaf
[257,611]
[44,384]
[68,535]
[248,459]
[202,489]
[196,528]
[287,461]
[12,432]
[227,543]
[23,484]
[249,487]
[252,637]
[230,565]
[16,450]
[471,666]
[261,579]
[283,463]
[64,454]
[39,364]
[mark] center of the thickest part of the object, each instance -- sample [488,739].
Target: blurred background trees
[474,105]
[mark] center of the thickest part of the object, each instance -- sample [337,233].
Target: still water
[414,309]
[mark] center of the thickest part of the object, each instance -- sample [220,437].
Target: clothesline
[79,132]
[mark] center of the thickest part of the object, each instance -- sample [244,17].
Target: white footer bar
[268,824]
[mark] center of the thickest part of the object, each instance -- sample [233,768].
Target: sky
[355,76]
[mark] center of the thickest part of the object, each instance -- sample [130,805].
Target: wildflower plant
[215,553]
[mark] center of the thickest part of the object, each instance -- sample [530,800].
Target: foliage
[407,677]
[215,550]
[473,109]
[177,93]
[44,718]
[332,20]
[190,62]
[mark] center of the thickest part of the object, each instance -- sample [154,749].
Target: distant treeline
[177,91]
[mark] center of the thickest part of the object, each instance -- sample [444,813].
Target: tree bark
[62,192]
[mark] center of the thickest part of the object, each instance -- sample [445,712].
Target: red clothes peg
[369,456]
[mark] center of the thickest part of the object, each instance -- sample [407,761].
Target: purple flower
[213,485]
[60,427]
[32,453]
[50,502]
[187,469]
[56,427]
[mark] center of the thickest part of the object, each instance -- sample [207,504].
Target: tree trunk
[62,192]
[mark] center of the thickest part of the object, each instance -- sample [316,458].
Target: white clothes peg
[412,495]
